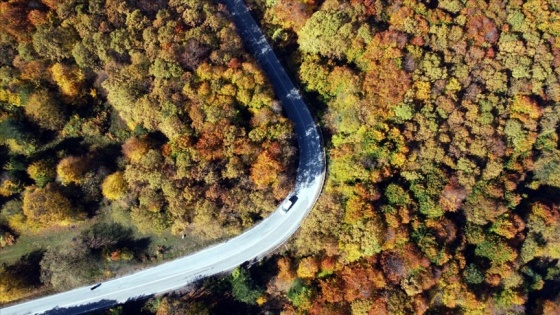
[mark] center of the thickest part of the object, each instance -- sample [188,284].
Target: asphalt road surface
[255,243]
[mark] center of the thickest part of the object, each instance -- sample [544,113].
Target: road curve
[255,243]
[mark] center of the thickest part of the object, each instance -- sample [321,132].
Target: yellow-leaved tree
[265,170]
[69,79]
[47,206]
[43,109]
[308,268]
[114,186]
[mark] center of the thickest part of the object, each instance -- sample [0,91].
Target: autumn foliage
[442,127]
[114,186]
[440,121]
[47,206]
[151,113]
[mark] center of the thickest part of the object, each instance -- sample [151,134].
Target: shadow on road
[311,168]
[93,307]
[311,159]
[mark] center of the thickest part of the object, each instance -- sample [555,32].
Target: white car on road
[288,204]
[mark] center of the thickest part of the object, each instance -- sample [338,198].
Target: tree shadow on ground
[96,307]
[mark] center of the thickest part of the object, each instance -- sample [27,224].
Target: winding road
[255,243]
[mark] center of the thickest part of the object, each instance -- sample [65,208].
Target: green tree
[299,294]
[54,42]
[328,33]
[496,249]
[397,195]
[165,70]
[16,137]
[547,169]
[150,222]
[542,224]
[243,287]
[120,41]
[42,172]
[472,275]
[84,57]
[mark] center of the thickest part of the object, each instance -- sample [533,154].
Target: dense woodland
[441,125]
[440,119]
[147,111]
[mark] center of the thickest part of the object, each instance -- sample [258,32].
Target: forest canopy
[441,121]
[149,112]
[441,127]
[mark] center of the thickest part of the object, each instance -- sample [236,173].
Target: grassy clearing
[160,247]
[150,249]
[28,242]
[164,245]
